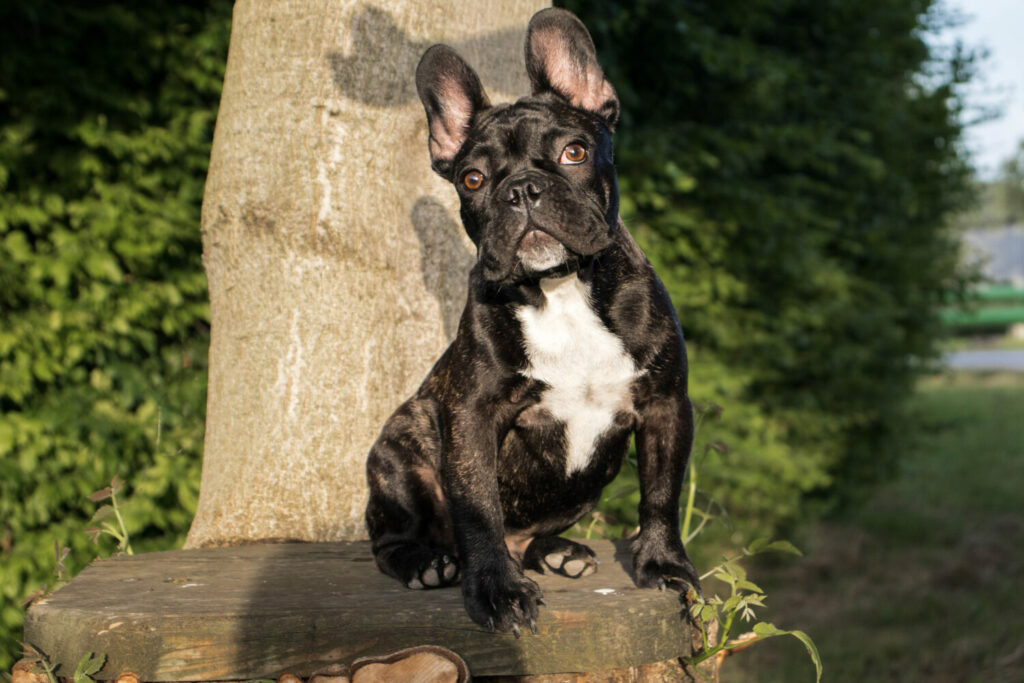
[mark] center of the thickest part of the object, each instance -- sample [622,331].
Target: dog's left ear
[560,58]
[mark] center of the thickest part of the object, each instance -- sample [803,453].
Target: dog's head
[536,178]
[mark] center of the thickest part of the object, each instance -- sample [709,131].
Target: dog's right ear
[452,96]
[560,58]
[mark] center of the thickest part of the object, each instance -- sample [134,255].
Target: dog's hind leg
[407,514]
[557,555]
[417,565]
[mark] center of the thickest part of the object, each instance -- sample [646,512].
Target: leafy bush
[789,166]
[106,117]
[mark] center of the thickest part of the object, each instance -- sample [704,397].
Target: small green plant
[103,515]
[42,664]
[88,665]
[60,571]
[715,616]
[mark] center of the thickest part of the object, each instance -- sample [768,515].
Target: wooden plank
[255,611]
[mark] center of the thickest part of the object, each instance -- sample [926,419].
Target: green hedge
[106,118]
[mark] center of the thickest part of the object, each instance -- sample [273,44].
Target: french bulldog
[568,346]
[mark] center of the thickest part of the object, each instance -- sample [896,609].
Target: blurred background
[833,192]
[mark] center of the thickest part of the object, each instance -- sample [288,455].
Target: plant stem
[123,541]
[717,567]
[688,515]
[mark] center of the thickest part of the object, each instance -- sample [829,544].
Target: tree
[1011,182]
[336,264]
[790,167]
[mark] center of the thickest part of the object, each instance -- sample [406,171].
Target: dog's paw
[502,598]
[438,571]
[419,566]
[556,555]
[663,565]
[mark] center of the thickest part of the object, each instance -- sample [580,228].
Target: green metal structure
[990,307]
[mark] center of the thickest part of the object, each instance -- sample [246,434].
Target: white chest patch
[587,370]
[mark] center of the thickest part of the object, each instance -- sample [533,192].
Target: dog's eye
[573,154]
[473,179]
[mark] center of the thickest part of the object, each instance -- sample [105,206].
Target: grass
[989,342]
[922,581]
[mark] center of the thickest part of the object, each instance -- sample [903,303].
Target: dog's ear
[452,95]
[560,58]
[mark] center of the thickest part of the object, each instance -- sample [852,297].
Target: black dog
[568,345]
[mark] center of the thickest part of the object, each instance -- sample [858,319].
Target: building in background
[997,304]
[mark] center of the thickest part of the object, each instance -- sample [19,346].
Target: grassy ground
[923,581]
[986,342]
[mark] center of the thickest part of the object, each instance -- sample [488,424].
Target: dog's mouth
[535,255]
[539,252]
[554,233]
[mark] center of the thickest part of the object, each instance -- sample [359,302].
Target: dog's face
[536,178]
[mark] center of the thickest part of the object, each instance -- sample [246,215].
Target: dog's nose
[525,192]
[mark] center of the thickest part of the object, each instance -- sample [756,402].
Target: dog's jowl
[567,347]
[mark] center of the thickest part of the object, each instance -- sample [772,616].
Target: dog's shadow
[379,68]
[445,259]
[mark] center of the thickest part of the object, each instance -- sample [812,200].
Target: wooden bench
[259,611]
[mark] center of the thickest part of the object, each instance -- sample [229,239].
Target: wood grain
[255,611]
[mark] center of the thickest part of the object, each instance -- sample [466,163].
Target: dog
[568,346]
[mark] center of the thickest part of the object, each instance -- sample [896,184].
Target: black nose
[525,192]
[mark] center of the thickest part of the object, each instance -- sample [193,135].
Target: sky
[998,26]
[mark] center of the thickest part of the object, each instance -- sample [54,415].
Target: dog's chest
[587,369]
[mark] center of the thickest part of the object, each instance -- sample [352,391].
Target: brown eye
[573,154]
[473,179]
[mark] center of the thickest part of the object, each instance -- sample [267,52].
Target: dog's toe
[442,570]
[450,570]
[555,555]
[431,578]
[577,568]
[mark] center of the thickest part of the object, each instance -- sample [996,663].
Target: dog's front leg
[496,592]
[663,440]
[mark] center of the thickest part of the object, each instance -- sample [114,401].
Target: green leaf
[765,629]
[725,577]
[17,247]
[103,265]
[756,546]
[763,545]
[783,547]
[754,599]
[104,512]
[87,667]
[731,604]
[812,651]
